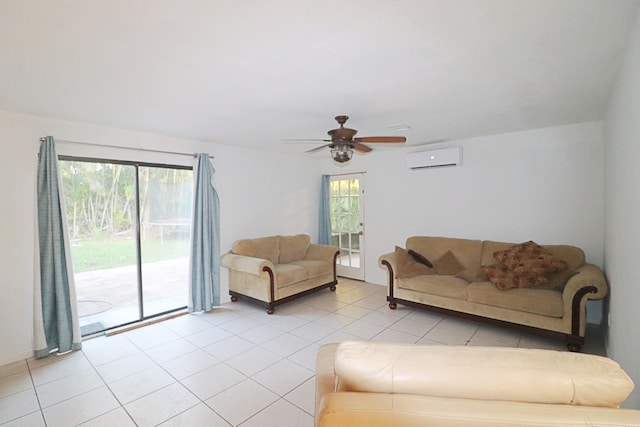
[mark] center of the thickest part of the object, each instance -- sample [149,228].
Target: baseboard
[16,356]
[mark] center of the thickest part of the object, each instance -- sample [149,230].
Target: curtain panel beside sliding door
[204,277]
[56,324]
[324,226]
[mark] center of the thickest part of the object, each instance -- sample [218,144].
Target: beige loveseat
[552,303]
[275,269]
[384,384]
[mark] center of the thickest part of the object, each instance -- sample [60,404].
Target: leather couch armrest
[588,275]
[325,373]
[245,264]
[322,252]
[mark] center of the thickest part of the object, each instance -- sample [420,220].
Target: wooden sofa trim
[270,306]
[574,340]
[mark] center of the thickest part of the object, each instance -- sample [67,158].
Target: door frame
[350,271]
[137,241]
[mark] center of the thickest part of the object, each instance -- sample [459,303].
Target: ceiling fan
[342,142]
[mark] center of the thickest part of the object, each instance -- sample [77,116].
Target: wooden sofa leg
[234,298]
[270,309]
[574,344]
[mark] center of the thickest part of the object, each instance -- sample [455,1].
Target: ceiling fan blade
[360,147]
[380,139]
[305,140]
[313,150]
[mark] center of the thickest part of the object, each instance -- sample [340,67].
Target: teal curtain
[56,324]
[324,228]
[204,277]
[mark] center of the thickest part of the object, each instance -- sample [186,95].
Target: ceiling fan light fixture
[341,153]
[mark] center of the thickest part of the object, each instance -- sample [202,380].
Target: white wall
[260,193]
[545,185]
[622,215]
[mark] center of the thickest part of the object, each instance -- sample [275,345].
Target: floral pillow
[529,259]
[527,265]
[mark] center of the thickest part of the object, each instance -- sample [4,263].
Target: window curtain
[324,228]
[204,274]
[56,323]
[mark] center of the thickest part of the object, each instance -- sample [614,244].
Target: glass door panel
[347,226]
[101,217]
[165,217]
[130,228]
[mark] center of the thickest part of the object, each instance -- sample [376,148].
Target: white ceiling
[256,72]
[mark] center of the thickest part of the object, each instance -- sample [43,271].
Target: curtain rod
[126,148]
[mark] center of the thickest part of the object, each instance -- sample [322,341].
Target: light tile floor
[235,366]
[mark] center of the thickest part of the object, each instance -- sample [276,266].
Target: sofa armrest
[588,275]
[246,264]
[325,372]
[514,374]
[389,258]
[322,252]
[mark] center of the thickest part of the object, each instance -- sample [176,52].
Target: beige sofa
[385,384]
[275,269]
[460,284]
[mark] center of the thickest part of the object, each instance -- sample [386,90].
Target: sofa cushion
[559,279]
[314,267]
[447,264]
[420,258]
[546,302]
[262,247]
[406,265]
[293,248]
[289,274]
[530,259]
[444,286]
[473,275]
[467,251]
[503,278]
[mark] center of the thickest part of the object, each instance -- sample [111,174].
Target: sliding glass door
[129,227]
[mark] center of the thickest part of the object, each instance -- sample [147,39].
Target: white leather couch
[388,384]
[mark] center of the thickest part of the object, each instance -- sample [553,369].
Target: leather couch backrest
[293,248]
[484,373]
[261,247]
[467,251]
[573,255]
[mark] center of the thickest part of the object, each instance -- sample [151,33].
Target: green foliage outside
[90,255]
[102,212]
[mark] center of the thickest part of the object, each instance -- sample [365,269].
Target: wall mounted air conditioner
[434,158]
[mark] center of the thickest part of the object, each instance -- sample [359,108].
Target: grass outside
[90,255]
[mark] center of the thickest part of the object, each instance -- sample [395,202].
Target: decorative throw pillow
[419,258]
[503,278]
[476,275]
[529,260]
[407,267]
[559,279]
[447,264]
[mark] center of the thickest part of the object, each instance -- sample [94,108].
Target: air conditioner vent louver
[434,158]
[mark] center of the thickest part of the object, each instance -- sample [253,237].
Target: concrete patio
[109,297]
